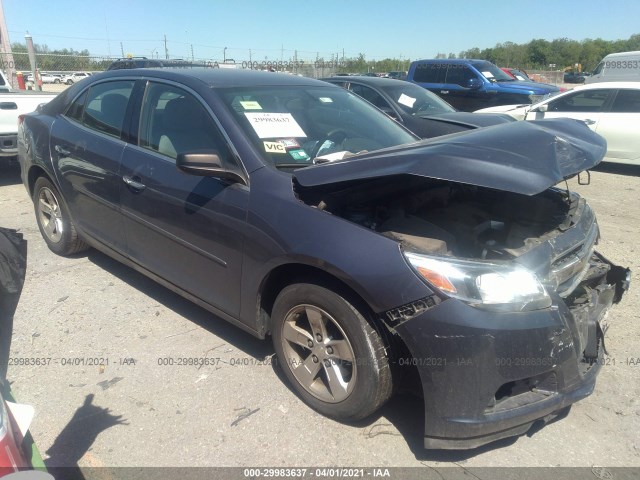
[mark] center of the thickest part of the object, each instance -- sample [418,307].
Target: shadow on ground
[618,169]
[9,172]
[231,334]
[76,438]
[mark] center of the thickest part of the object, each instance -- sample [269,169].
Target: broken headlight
[482,284]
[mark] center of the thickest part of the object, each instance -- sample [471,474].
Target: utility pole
[250,61]
[121,49]
[32,61]
[166,51]
[192,56]
[5,47]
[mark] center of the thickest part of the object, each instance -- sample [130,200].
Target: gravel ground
[238,411]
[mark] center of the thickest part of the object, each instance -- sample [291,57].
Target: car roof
[598,85]
[451,60]
[374,81]
[217,77]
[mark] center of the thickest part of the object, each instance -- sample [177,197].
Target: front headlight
[482,284]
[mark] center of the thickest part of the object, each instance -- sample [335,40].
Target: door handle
[62,151]
[588,121]
[133,184]
[444,92]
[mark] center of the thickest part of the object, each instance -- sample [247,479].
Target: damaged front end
[515,329]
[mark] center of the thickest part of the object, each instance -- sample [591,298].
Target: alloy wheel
[319,353]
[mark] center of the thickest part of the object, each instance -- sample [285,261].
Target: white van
[617,67]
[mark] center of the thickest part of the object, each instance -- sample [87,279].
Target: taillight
[20,119]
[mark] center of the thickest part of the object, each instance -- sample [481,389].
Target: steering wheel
[336,136]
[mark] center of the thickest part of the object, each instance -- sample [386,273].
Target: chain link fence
[54,68]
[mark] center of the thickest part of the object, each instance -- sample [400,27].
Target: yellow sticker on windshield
[250,105]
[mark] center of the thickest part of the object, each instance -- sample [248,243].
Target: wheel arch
[289,273]
[35,172]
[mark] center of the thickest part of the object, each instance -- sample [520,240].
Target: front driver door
[585,105]
[187,229]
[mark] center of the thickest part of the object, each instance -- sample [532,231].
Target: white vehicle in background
[611,109]
[617,67]
[74,77]
[14,103]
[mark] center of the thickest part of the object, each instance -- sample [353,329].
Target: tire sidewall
[368,365]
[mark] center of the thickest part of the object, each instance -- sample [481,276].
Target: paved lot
[237,411]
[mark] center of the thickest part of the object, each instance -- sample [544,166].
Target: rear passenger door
[186,229]
[620,125]
[86,149]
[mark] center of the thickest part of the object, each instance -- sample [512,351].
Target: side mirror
[541,108]
[207,165]
[474,84]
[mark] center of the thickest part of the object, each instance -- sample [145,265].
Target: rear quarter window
[430,73]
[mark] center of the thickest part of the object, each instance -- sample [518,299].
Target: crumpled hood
[519,157]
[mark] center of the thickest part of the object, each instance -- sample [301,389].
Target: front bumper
[487,375]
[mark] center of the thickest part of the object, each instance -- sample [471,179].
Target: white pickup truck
[12,104]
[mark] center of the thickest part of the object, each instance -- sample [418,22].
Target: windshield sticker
[520,78]
[298,154]
[250,105]
[289,143]
[274,147]
[406,100]
[487,74]
[273,125]
[325,100]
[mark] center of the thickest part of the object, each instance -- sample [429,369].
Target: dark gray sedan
[422,112]
[292,208]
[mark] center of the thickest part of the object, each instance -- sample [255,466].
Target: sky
[276,29]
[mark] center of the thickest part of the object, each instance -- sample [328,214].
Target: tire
[54,221]
[69,82]
[57,80]
[330,354]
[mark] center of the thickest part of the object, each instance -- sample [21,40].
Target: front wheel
[332,356]
[54,221]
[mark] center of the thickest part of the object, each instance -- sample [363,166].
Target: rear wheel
[331,355]
[54,221]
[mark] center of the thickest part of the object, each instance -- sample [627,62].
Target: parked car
[573,77]
[75,77]
[144,62]
[295,209]
[12,105]
[517,74]
[617,67]
[397,75]
[422,112]
[469,85]
[611,109]
[5,86]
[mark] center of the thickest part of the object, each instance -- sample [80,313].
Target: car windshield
[520,75]
[491,72]
[416,100]
[297,126]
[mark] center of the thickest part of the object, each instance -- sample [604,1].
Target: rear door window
[627,101]
[430,73]
[103,107]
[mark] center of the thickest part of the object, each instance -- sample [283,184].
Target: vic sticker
[274,147]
